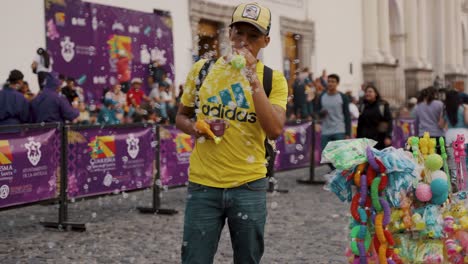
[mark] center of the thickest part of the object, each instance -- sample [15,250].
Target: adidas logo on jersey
[223,106]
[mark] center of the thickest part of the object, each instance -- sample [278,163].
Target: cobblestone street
[307,225]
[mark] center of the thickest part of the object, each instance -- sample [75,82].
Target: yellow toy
[432,145]
[424,144]
[204,127]
[418,223]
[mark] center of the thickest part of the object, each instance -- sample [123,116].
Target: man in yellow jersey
[227,180]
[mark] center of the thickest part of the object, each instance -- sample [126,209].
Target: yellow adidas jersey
[226,94]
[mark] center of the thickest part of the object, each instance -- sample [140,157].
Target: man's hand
[251,63]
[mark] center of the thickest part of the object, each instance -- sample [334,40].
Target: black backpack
[270,152]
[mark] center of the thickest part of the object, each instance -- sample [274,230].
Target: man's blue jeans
[206,211]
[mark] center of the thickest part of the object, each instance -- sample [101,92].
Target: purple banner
[402,130]
[29,166]
[176,148]
[102,45]
[294,147]
[106,160]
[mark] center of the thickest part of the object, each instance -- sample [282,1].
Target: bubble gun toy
[204,127]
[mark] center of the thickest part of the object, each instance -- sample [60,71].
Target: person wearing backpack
[375,119]
[227,181]
[333,110]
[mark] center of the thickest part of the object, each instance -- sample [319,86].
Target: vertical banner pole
[311,180]
[155,209]
[63,223]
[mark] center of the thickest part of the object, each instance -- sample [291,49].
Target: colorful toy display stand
[403,206]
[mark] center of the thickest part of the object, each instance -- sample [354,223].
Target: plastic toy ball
[423,192]
[238,62]
[434,162]
[438,174]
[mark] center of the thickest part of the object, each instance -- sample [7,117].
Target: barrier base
[271,189]
[65,226]
[149,210]
[310,182]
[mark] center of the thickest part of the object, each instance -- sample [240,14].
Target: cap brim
[263,31]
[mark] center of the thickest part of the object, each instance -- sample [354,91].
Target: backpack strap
[205,69]
[267,80]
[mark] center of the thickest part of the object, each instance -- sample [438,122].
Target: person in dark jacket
[14,108]
[49,106]
[375,119]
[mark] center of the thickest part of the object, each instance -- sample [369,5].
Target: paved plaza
[307,225]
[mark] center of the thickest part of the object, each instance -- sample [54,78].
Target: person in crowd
[156,70]
[117,95]
[167,102]
[179,94]
[333,110]
[310,94]
[84,118]
[300,96]
[26,92]
[62,80]
[438,83]
[456,122]
[69,91]
[227,180]
[412,102]
[375,119]
[428,114]
[108,113]
[154,90]
[353,108]
[14,108]
[49,106]
[455,117]
[460,88]
[41,65]
[135,95]
[324,79]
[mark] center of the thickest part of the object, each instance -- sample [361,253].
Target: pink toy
[423,192]
[459,153]
[462,236]
[449,224]
[452,247]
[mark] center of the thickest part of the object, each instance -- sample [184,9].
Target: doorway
[208,39]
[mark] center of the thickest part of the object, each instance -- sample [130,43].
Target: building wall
[338,37]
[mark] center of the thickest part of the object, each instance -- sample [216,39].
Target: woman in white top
[41,65]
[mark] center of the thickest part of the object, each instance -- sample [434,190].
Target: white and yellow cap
[254,14]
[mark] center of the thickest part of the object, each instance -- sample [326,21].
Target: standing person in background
[14,108]
[375,119]
[456,122]
[41,65]
[455,117]
[156,70]
[353,108]
[300,96]
[333,110]
[324,79]
[49,106]
[429,114]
